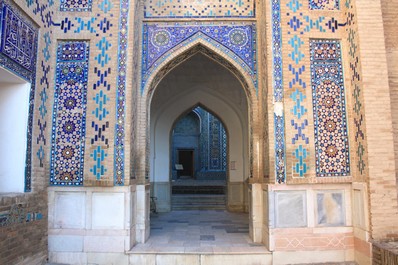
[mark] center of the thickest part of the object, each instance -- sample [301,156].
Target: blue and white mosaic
[121,94]
[324,4]
[236,40]
[18,50]
[330,122]
[75,5]
[69,117]
[279,119]
[199,9]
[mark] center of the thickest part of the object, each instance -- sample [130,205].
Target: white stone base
[91,225]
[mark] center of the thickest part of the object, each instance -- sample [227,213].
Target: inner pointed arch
[200,45]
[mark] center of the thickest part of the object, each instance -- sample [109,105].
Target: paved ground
[211,231]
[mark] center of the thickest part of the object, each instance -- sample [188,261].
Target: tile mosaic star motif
[75,5]
[159,39]
[324,4]
[199,8]
[330,124]
[69,117]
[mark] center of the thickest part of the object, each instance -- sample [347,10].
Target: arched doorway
[198,161]
[200,81]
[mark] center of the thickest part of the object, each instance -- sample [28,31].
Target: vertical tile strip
[330,122]
[121,94]
[279,120]
[69,116]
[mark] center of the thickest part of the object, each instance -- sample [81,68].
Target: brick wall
[390,20]
[23,236]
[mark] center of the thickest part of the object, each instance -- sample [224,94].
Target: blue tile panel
[324,4]
[75,5]
[237,41]
[18,50]
[199,9]
[330,122]
[277,83]
[216,144]
[121,94]
[69,116]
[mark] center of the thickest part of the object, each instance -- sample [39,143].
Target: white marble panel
[62,243]
[290,209]
[108,259]
[69,209]
[70,258]
[105,244]
[107,210]
[330,208]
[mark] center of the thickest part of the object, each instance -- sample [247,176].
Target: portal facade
[302,88]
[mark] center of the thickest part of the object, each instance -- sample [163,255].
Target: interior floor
[210,231]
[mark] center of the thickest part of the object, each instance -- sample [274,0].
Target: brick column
[382,175]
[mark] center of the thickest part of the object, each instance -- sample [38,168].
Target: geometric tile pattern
[236,40]
[69,116]
[298,25]
[330,122]
[216,154]
[277,82]
[121,93]
[75,5]
[18,39]
[199,8]
[324,4]
[356,86]
[18,50]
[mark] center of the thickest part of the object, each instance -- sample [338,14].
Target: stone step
[198,202]
[198,189]
[203,258]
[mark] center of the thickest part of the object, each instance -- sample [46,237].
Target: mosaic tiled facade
[330,122]
[199,9]
[75,5]
[69,117]
[236,40]
[18,48]
[277,78]
[324,4]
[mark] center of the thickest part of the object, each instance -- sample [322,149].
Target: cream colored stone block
[146,259]
[106,244]
[70,258]
[297,257]
[64,243]
[69,209]
[176,259]
[242,259]
[107,210]
[108,259]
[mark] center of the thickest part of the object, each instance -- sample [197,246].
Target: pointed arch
[200,43]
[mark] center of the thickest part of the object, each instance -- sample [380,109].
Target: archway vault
[238,57]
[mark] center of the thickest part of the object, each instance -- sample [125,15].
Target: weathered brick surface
[25,242]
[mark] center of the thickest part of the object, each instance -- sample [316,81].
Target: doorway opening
[185,165]
[198,162]
[200,93]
